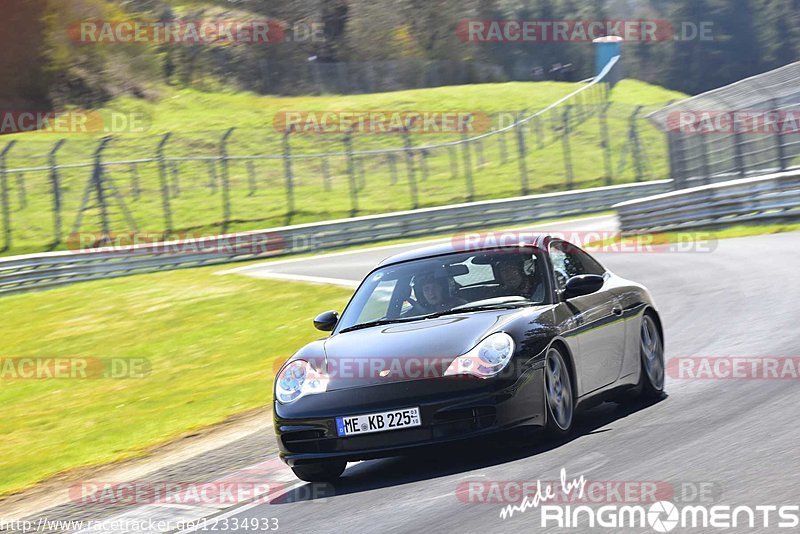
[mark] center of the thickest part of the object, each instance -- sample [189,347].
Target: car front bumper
[451,408]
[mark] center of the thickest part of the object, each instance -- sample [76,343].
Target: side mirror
[326,321]
[585,284]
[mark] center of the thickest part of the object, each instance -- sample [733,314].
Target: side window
[568,261]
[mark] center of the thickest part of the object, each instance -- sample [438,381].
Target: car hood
[407,351]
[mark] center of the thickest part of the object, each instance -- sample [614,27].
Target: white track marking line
[266,264]
[350,284]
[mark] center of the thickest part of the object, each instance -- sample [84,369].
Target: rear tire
[651,349]
[327,471]
[558,394]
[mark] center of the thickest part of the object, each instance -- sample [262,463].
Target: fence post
[162,170]
[22,194]
[176,179]
[412,180]
[326,174]
[135,188]
[537,124]
[55,188]
[351,172]
[501,141]
[453,162]
[4,196]
[251,178]
[605,143]
[780,140]
[704,159]
[362,176]
[468,168]
[567,148]
[633,136]
[288,174]
[738,152]
[423,164]
[212,176]
[677,159]
[391,159]
[226,183]
[479,148]
[99,188]
[523,152]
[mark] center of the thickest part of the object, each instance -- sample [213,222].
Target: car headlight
[298,379]
[487,359]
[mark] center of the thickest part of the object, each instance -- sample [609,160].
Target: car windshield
[443,285]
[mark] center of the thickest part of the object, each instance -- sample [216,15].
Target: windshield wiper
[485,307]
[455,311]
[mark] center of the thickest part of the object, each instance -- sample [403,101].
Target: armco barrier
[761,199]
[37,271]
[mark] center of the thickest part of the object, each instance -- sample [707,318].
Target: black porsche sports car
[450,342]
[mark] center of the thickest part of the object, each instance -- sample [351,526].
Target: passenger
[515,281]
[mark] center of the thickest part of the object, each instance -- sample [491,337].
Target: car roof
[482,241]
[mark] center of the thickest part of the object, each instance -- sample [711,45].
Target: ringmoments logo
[661,516]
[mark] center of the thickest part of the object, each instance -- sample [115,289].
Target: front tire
[558,394]
[651,377]
[327,471]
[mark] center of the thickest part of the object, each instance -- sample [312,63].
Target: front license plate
[378,422]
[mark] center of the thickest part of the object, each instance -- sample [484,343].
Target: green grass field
[212,343]
[258,192]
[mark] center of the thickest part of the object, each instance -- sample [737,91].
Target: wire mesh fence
[745,129]
[80,193]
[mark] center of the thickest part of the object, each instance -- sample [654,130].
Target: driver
[433,293]
[514,280]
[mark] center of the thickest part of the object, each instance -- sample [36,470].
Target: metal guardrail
[759,199]
[40,271]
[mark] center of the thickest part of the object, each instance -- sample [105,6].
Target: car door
[598,326]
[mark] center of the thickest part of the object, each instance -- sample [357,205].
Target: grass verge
[211,342]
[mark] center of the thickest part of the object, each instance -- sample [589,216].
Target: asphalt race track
[735,440]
